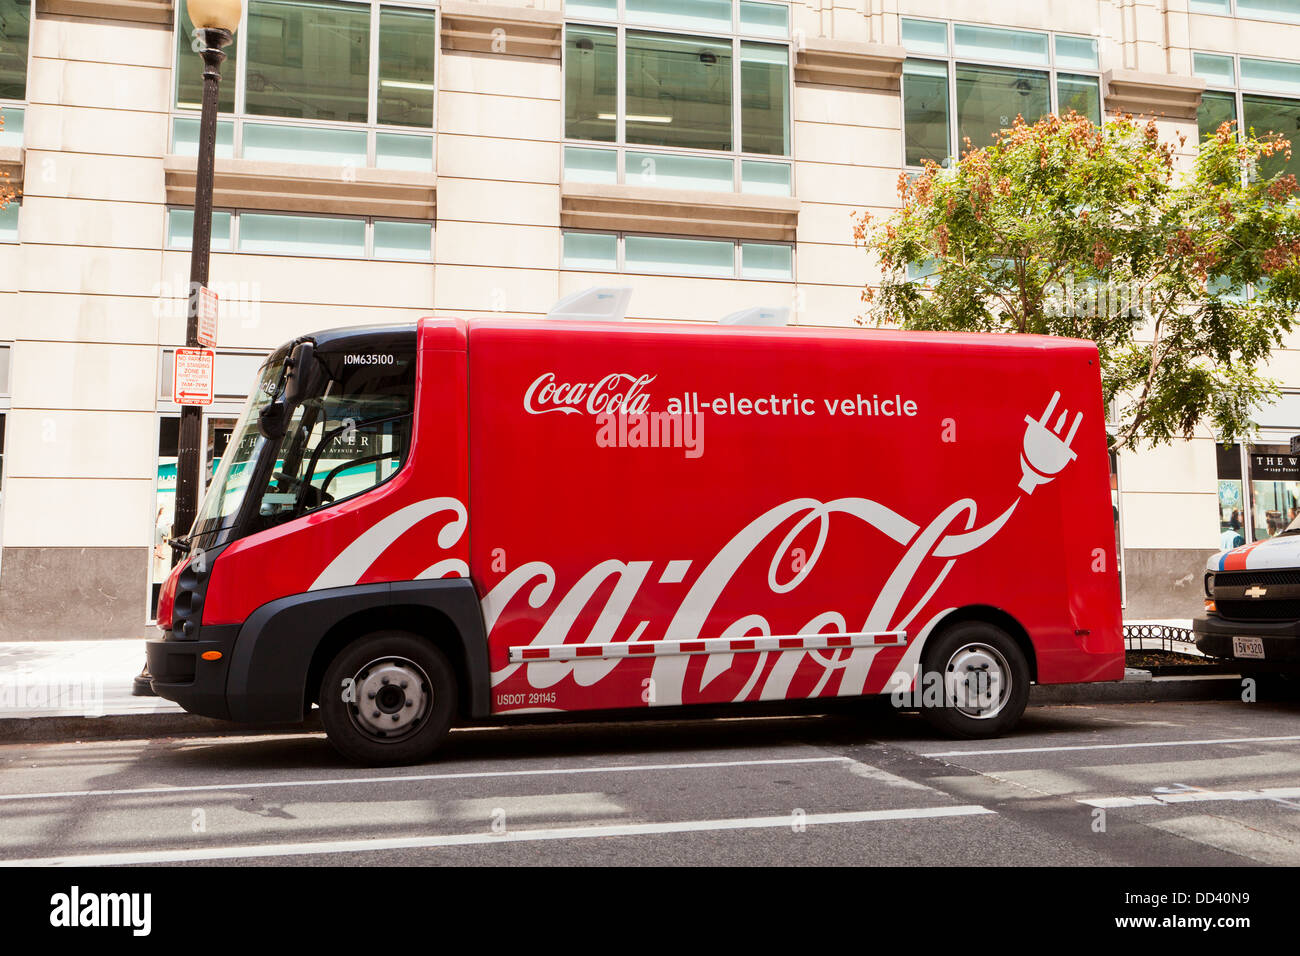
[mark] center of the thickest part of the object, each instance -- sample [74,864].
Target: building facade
[382,160]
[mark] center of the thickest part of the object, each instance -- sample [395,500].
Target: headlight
[1209,584]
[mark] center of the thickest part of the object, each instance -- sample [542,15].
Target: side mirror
[301,367]
[273,419]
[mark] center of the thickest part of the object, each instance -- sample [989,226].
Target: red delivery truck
[467,520]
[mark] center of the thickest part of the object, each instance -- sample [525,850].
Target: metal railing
[1160,637]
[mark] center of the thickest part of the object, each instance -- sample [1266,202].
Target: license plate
[1248,647]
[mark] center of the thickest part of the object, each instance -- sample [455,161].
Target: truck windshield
[351,433]
[230,483]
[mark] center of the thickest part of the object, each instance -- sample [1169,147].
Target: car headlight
[1209,584]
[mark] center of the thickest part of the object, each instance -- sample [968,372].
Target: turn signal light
[211,655]
[1209,606]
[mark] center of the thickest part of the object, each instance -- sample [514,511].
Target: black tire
[420,711]
[991,708]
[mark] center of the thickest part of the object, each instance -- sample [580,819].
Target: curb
[1137,686]
[71,729]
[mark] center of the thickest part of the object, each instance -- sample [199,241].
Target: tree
[1185,279]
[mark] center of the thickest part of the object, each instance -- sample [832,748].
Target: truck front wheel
[975,681]
[388,698]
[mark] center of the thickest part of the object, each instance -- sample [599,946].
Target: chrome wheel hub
[392,697]
[977,681]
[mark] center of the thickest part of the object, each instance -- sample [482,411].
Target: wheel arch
[988,614]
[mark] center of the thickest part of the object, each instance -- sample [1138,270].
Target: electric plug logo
[1044,452]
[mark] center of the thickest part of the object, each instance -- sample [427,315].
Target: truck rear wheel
[975,681]
[388,698]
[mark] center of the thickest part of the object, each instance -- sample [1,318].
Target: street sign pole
[211,42]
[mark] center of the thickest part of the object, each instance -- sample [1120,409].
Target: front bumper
[181,674]
[1281,639]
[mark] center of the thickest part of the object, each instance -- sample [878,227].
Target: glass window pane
[766,179]
[1079,53]
[688,14]
[925,36]
[1214,69]
[995,43]
[760,260]
[313,236]
[989,99]
[399,151]
[185,137]
[189,69]
[1270,114]
[1211,6]
[590,83]
[11,126]
[672,171]
[1288,10]
[1274,489]
[925,112]
[590,165]
[765,19]
[678,91]
[304,144]
[601,9]
[1273,75]
[15,29]
[1215,110]
[590,250]
[180,230]
[404,240]
[765,99]
[9,221]
[1079,93]
[696,257]
[308,60]
[407,41]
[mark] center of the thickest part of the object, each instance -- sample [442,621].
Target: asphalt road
[1204,783]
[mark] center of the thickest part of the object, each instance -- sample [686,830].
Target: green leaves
[1185,278]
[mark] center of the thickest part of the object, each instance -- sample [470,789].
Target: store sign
[192,376]
[1295,444]
[207,317]
[1275,467]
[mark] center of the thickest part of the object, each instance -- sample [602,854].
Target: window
[659,99]
[965,82]
[681,256]
[15,32]
[1284,10]
[1261,95]
[9,221]
[329,83]
[333,236]
[350,435]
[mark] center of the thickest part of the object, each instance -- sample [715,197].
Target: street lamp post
[215,22]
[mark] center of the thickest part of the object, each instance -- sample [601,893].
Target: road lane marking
[409,778]
[1193,796]
[1153,743]
[510,836]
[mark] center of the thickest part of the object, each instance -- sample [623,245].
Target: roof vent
[597,304]
[758,315]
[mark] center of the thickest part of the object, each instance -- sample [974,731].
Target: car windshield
[230,483]
[1293,527]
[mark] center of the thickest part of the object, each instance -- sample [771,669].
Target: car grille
[1259,610]
[1244,579]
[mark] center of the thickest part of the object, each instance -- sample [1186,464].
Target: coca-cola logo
[617,392]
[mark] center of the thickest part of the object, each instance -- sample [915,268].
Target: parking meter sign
[207,317]
[192,376]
